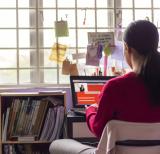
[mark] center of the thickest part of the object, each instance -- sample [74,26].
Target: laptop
[85,91]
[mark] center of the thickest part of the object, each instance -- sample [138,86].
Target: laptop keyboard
[79,111]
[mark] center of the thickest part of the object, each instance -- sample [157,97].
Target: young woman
[133,97]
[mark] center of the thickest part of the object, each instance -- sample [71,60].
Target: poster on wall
[101,37]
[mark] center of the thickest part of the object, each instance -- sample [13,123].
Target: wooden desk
[77,129]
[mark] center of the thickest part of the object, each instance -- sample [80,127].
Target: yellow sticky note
[58,53]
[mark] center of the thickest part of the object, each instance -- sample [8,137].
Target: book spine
[4,135]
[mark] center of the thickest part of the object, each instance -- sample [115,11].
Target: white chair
[121,137]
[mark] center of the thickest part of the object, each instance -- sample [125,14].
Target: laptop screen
[85,89]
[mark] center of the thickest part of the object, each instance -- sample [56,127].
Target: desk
[77,129]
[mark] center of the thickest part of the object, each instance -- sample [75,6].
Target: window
[27,33]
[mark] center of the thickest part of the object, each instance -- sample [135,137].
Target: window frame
[38,54]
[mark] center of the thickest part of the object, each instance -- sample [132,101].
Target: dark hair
[143,36]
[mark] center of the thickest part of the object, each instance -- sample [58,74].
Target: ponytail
[150,73]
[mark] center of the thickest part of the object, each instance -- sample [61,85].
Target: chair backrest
[120,137]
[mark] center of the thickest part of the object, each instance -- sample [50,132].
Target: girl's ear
[127,48]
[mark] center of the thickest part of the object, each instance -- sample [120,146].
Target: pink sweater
[122,98]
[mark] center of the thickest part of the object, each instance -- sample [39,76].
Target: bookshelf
[31,120]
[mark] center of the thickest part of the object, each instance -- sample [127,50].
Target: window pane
[142,14]
[49,37]
[50,76]
[8,3]
[21,15]
[105,4]
[83,37]
[24,38]
[24,76]
[105,18]
[70,40]
[8,77]
[70,16]
[156,3]
[101,3]
[49,16]
[49,3]
[157,17]
[126,3]
[63,79]
[66,3]
[23,3]
[82,60]
[8,18]
[142,3]
[47,62]
[85,3]
[127,17]
[8,38]
[90,18]
[69,54]
[8,58]
[24,58]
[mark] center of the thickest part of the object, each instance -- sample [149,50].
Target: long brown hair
[143,36]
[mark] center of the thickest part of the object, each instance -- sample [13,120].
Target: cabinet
[30,121]
[77,129]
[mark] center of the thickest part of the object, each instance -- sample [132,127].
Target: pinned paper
[61,28]
[107,50]
[99,50]
[73,70]
[66,67]
[101,37]
[58,53]
[92,56]
[117,51]
[105,65]
[78,56]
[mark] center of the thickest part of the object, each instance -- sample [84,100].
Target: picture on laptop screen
[86,89]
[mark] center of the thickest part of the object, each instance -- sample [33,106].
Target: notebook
[85,91]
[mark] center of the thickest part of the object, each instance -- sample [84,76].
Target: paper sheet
[61,28]
[58,53]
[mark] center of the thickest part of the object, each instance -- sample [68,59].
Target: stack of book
[31,119]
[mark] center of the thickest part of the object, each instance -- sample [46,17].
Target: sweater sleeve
[98,117]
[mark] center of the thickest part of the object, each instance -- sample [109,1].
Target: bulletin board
[101,37]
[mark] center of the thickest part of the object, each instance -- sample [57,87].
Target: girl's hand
[95,105]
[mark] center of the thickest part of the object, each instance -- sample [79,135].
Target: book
[4,135]
[50,91]
[46,125]
[13,119]
[58,123]
[37,103]
[61,122]
[40,117]
[2,122]
[21,123]
[26,138]
[19,118]
[51,123]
